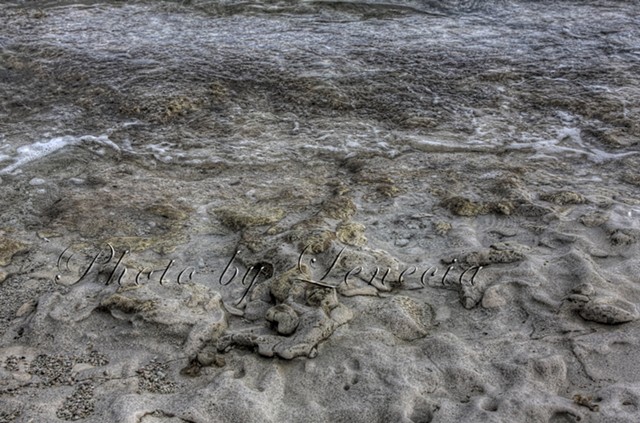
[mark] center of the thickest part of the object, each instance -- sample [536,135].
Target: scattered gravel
[11,363]
[56,369]
[79,405]
[7,417]
[153,378]
[53,369]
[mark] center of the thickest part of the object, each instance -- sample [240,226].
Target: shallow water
[266,82]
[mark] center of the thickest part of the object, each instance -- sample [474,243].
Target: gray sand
[461,179]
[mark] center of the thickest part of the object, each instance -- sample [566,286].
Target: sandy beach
[319,211]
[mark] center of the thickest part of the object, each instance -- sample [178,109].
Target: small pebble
[37,181]
[402,242]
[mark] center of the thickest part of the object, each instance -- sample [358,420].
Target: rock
[441,227]
[315,326]
[388,190]
[127,305]
[609,311]
[339,207]
[256,309]
[319,241]
[461,206]
[624,236]
[586,289]
[503,253]
[532,210]
[405,318]
[402,242]
[563,198]
[471,295]
[248,215]
[285,317]
[26,308]
[322,297]
[8,248]
[287,284]
[210,357]
[593,219]
[352,234]
[366,290]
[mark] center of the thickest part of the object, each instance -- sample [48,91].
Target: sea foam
[32,152]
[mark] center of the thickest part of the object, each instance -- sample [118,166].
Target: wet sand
[319,211]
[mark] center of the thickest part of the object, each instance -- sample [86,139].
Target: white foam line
[29,153]
[553,150]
